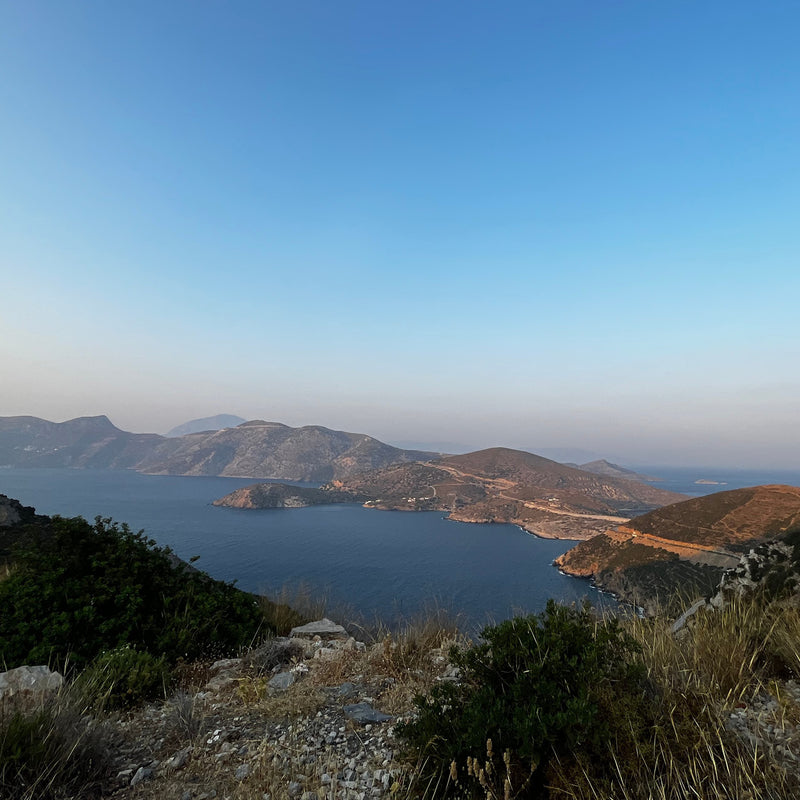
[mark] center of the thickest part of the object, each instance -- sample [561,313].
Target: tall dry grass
[52,748]
[724,661]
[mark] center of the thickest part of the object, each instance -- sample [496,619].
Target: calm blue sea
[684,479]
[368,563]
[386,564]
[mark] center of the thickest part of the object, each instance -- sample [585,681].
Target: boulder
[324,628]
[29,683]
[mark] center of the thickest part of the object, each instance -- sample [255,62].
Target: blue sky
[540,224]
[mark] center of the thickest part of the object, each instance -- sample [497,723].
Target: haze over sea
[370,563]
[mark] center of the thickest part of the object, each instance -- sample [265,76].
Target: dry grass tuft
[51,749]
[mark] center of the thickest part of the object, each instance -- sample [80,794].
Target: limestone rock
[29,682]
[324,628]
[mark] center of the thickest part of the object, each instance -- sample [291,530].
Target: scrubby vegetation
[567,705]
[538,688]
[564,704]
[77,591]
[52,751]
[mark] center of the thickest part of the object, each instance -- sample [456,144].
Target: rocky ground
[313,716]
[309,716]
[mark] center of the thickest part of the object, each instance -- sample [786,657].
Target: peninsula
[686,546]
[542,496]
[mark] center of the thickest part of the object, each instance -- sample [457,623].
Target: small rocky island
[282,495]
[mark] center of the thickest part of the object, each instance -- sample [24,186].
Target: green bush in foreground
[77,590]
[123,678]
[537,688]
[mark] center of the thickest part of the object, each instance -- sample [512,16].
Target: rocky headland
[684,547]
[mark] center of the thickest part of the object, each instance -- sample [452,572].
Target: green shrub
[123,678]
[537,687]
[78,590]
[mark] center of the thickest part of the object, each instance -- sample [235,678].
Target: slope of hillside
[503,485]
[684,546]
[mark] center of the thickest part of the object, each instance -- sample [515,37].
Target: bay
[368,564]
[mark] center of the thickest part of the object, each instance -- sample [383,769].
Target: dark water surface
[390,564]
[683,479]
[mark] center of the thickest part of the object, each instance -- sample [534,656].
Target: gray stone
[242,771]
[142,774]
[364,713]
[690,612]
[276,652]
[324,628]
[179,759]
[281,682]
[29,682]
[220,682]
[346,689]
[124,777]
[226,664]
[295,789]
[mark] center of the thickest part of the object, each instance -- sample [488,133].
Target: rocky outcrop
[16,522]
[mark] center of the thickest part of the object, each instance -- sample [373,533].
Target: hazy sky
[541,223]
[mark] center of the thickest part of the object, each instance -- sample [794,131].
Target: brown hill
[684,546]
[503,485]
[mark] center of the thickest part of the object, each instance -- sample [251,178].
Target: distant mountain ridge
[215,423]
[611,470]
[494,485]
[256,449]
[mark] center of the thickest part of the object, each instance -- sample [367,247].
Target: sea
[366,565]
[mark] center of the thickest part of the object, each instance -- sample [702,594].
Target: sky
[541,224]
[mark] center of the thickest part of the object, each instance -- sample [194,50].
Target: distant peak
[99,421]
[206,424]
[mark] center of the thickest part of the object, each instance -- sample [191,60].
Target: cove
[368,564]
